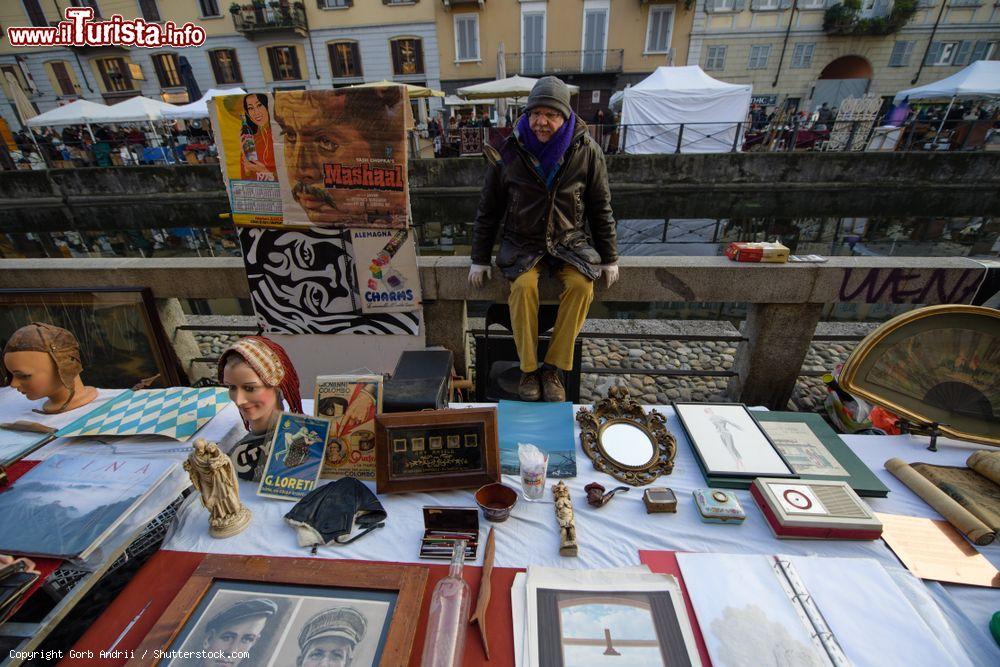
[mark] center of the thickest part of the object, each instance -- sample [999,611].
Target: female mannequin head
[259,377]
[43,361]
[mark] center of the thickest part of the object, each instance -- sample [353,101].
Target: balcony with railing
[265,20]
[537,63]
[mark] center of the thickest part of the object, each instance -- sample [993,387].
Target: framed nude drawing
[728,441]
[271,612]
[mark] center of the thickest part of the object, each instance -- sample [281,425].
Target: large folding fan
[939,364]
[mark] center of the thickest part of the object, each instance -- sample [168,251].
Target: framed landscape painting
[271,612]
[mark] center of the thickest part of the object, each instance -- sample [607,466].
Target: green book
[814,450]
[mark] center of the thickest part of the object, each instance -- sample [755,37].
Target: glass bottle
[834,386]
[247,143]
[448,617]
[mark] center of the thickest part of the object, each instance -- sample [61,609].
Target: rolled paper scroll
[962,519]
[986,464]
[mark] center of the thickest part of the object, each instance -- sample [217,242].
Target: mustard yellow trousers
[574,302]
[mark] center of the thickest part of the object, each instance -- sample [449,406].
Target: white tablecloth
[613,535]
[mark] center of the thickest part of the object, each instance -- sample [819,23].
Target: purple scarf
[551,152]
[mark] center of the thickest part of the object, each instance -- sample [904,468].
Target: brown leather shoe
[552,385]
[529,389]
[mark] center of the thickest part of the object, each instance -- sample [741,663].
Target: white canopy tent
[198,108]
[980,79]
[655,108]
[512,86]
[135,109]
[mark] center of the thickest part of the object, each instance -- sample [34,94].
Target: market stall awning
[512,86]
[980,79]
[80,112]
[135,109]
[412,90]
[199,108]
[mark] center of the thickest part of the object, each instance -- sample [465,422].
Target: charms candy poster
[326,158]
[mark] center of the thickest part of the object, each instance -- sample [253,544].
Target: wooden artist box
[443,526]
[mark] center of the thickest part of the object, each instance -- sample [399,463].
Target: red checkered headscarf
[271,363]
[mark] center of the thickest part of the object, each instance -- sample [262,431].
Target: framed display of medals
[436,450]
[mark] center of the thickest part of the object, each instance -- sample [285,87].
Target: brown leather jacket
[537,221]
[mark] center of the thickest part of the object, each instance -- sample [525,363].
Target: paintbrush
[483,603]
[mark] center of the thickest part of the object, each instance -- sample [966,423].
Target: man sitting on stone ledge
[546,184]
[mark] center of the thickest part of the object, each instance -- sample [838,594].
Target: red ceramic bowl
[496,500]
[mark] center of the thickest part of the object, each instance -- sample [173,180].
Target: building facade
[782,48]
[598,45]
[259,46]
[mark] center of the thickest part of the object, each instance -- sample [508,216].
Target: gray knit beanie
[550,92]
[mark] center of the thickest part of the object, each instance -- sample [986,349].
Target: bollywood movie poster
[385,261]
[295,458]
[350,403]
[341,157]
[244,135]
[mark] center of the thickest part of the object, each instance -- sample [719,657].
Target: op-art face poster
[327,158]
[386,264]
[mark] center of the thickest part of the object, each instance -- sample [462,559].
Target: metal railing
[663,138]
[534,63]
[259,18]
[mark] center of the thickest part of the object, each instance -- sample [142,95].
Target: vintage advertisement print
[241,125]
[296,455]
[341,157]
[350,403]
[386,264]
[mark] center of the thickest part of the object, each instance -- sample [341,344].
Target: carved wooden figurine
[564,515]
[213,476]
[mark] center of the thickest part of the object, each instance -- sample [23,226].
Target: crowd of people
[80,146]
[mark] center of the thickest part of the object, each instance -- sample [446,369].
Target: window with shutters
[661,23]
[759,54]
[802,55]
[950,54]
[225,66]
[407,56]
[724,5]
[35,14]
[87,3]
[811,4]
[983,50]
[533,19]
[114,74]
[595,35]
[209,8]
[149,10]
[901,52]
[715,58]
[345,59]
[335,4]
[466,37]
[168,70]
[63,78]
[765,5]
[284,63]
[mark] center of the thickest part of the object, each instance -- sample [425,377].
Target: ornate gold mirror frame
[619,408]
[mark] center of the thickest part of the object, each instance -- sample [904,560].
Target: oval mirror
[627,445]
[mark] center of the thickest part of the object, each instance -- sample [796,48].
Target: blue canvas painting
[548,426]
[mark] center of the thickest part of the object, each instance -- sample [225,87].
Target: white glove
[479,274]
[610,273]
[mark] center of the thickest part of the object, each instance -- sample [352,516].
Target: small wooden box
[445,525]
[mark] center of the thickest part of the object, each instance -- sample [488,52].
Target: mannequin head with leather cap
[43,361]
